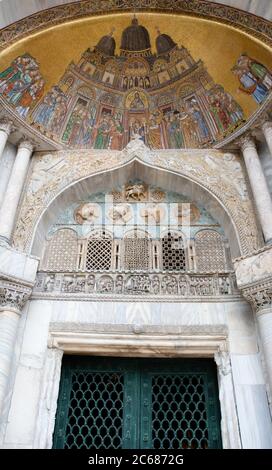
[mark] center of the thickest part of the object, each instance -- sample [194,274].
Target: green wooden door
[137,404]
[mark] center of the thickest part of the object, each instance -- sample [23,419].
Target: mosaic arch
[172,82]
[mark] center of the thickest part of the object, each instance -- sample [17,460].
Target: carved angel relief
[120,214]
[88,212]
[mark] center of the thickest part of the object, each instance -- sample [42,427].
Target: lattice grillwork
[61,252]
[173,253]
[95,417]
[210,251]
[99,254]
[179,418]
[136,254]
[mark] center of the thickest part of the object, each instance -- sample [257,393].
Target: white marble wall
[250,392]
[17,264]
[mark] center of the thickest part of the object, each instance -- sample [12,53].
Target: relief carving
[182,285]
[86,213]
[221,175]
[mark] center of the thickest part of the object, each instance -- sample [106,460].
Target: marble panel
[23,412]
[254,417]
[17,264]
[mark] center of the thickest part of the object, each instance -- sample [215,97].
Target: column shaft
[8,329]
[259,187]
[264,318]
[14,190]
[267,130]
[5,129]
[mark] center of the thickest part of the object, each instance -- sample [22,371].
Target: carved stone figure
[169,285]
[155,282]
[120,213]
[183,285]
[90,282]
[105,284]
[136,192]
[119,285]
[138,284]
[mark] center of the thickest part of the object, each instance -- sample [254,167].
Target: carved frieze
[140,284]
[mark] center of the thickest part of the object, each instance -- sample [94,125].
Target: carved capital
[259,295]
[247,142]
[267,127]
[27,144]
[6,125]
[13,296]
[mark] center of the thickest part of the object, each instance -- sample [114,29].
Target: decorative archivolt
[220,174]
[256,26]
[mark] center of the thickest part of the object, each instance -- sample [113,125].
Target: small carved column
[258,185]
[14,189]
[12,300]
[267,130]
[260,297]
[5,130]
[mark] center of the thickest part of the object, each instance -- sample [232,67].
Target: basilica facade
[136,227]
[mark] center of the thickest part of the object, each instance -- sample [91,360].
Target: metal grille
[99,254]
[173,253]
[179,418]
[210,251]
[95,417]
[61,253]
[136,255]
[137,403]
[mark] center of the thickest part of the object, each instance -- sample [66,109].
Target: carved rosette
[13,296]
[259,295]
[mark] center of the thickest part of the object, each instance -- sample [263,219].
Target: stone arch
[120,174]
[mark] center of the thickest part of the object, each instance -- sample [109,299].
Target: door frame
[191,341]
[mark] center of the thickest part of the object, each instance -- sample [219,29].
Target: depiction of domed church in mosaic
[165,99]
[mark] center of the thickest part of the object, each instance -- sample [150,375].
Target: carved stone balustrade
[138,284]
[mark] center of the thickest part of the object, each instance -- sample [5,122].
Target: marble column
[260,298]
[14,190]
[5,130]
[258,185]
[264,319]
[267,130]
[12,300]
